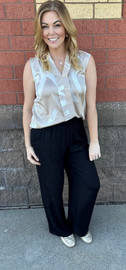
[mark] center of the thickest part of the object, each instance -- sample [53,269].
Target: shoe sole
[86,241]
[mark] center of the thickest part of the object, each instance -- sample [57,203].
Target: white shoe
[69,241]
[87,238]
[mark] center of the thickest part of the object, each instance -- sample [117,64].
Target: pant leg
[83,183]
[50,150]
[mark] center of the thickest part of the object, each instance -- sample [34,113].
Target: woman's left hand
[94,151]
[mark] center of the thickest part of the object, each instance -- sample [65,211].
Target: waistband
[71,121]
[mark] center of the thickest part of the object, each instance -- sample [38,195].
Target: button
[60,91]
[63,102]
[60,88]
[66,112]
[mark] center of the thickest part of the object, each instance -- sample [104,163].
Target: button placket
[62,97]
[65,97]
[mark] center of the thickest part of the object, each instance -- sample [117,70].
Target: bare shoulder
[28,81]
[27,67]
[91,67]
[27,73]
[91,61]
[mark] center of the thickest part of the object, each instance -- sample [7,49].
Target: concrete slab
[26,244]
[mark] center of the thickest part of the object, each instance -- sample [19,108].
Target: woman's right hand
[31,156]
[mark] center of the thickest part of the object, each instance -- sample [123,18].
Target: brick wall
[105,38]
[101,27]
[16,44]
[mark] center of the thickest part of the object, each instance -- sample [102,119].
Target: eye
[44,26]
[58,25]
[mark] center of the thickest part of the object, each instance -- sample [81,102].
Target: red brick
[8,28]
[12,58]
[117,26]
[22,43]
[81,27]
[107,96]
[8,1]
[116,83]
[4,44]
[29,54]
[111,69]
[114,41]
[84,42]
[19,72]
[20,11]
[11,86]
[117,56]
[99,56]
[28,1]
[2,13]
[8,99]
[124,10]
[89,27]
[28,27]
[6,73]
[101,83]
[20,98]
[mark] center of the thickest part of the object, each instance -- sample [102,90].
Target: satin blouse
[59,97]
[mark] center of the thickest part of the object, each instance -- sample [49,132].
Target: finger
[35,157]
[91,157]
[94,157]
[33,161]
[98,156]
[32,154]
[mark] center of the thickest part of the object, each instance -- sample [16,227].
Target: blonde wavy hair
[41,47]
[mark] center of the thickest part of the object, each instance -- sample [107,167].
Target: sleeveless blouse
[59,97]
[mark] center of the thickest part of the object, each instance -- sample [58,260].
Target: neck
[57,54]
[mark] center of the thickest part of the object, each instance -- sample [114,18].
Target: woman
[59,89]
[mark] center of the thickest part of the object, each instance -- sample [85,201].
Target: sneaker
[87,238]
[69,241]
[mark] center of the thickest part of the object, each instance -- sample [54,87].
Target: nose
[51,30]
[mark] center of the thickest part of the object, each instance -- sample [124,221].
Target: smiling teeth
[53,39]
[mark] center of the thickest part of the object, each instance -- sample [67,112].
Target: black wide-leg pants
[59,147]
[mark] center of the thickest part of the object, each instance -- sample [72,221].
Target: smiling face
[53,31]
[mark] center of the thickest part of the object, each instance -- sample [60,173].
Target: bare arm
[29,96]
[91,82]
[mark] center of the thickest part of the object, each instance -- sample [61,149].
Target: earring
[66,35]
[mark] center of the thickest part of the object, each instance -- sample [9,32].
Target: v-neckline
[54,68]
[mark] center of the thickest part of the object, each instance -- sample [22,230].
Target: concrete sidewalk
[26,244]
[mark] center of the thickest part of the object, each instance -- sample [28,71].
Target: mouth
[52,39]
